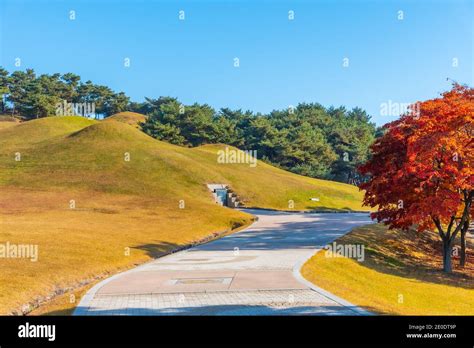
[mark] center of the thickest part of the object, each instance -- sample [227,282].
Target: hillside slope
[7,121]
[100,196]
[93,155]
[128,117]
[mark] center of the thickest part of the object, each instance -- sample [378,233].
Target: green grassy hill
[92,213]
[128,117]
[75,152]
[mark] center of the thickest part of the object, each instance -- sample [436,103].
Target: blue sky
[282,62]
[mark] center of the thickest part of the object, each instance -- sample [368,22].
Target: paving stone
[247,273]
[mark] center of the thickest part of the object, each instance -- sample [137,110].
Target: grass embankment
[98,197]
[401,274]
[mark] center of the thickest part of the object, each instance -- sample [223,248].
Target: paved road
[252,272]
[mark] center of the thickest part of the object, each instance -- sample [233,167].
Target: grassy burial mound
[128,117]
[100,196]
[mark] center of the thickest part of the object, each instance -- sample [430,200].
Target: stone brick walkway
[252,272]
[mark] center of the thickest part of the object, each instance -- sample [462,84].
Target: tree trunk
[462,260]
[449,236]
[465,228]
[447,248]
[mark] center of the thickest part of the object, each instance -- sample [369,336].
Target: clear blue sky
[282,62]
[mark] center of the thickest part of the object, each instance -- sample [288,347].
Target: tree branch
[440,228]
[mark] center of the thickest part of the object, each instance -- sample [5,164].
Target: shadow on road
[230,310]
[316,231]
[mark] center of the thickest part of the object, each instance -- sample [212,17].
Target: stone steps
[232,199]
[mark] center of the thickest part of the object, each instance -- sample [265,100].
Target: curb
[297,274]
[85,301]
[83,305]
[314,211]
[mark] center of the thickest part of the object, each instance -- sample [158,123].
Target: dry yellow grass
[4,125]
[401,274]
[102,235]
[7,121]
[63,304]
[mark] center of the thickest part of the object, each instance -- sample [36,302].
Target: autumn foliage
[421,171]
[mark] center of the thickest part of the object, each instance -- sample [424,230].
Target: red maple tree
[421,171]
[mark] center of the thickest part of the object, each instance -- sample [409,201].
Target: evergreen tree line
[308,139]
[28,95]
